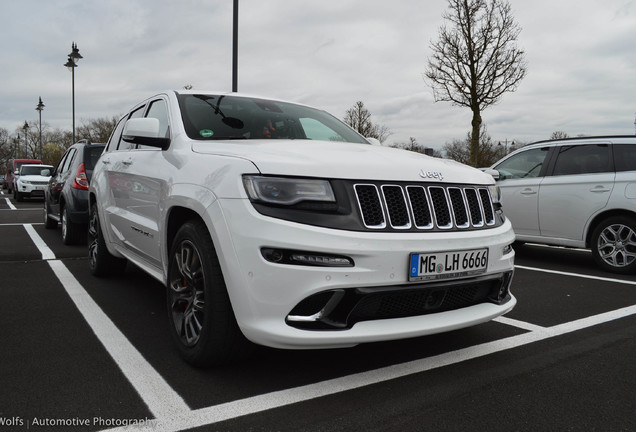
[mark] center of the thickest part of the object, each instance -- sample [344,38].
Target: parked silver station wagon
[576,192]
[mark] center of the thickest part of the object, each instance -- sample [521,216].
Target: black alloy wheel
[202,321]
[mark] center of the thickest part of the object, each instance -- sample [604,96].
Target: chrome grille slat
[424,206]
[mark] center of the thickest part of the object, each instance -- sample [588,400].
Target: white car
[31,181]
[575,192]
[276,223]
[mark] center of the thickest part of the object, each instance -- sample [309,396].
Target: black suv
[66,196]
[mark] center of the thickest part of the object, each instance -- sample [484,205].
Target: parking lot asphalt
[81,353]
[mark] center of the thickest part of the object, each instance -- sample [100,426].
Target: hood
[326,159]
[34,178]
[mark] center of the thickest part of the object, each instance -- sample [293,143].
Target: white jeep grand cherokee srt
[276,223]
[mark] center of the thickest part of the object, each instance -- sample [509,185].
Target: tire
[48,222]
[202,322]
[100,261]
[72,233]
[614,245]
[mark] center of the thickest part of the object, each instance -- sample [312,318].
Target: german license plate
[447,265]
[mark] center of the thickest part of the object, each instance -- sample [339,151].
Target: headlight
[26,182]
[287,191]
[495,194]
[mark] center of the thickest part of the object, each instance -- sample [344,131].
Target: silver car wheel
[617,245]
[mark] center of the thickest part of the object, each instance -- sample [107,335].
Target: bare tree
[414,146]
[476,60]
[558,135]
[96,130]
[359,118]
[459,150]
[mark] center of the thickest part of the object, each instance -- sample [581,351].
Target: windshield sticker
[205,133]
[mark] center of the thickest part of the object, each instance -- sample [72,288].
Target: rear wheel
[614,245]
[49,223]
[100,261]
[71,232]
[202,321]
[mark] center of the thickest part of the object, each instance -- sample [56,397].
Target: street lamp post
[39,109]
[235,48]
[71,64]
[26,141]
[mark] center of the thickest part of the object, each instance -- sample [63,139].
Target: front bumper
[31,190]
[264,294]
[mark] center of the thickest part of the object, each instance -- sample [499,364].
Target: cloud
[579,52]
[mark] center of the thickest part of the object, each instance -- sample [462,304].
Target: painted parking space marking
[256,404]
[10,204]
[160,398]
[173,414]
[579,275]
[47,253]
[520,324]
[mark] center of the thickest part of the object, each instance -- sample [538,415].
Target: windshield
[26,170]
[211,117]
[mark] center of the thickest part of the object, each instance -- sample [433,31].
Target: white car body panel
[136,191]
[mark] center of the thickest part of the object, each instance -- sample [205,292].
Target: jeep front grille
[425,207]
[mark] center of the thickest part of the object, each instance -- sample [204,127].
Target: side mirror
[373,141]
[144,131]
[493,172]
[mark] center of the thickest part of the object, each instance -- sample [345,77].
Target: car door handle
[599,189]
[128,161]
[106,161]
[528,191]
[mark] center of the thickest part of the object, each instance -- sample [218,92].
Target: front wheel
[614,245]
[100,261]
[202,321]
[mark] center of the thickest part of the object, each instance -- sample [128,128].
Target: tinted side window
[116,136]
[583,159]
[526,164]
[159,110]
[91,156]
[58,169]
[625,157]
[139,112]
[69,160]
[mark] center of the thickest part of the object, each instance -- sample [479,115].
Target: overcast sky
[581,57]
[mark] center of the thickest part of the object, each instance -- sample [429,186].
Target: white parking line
[579,275]
[161,399]
[10,204]
[520,324]
[172,414]
[47,254]
[263,402]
